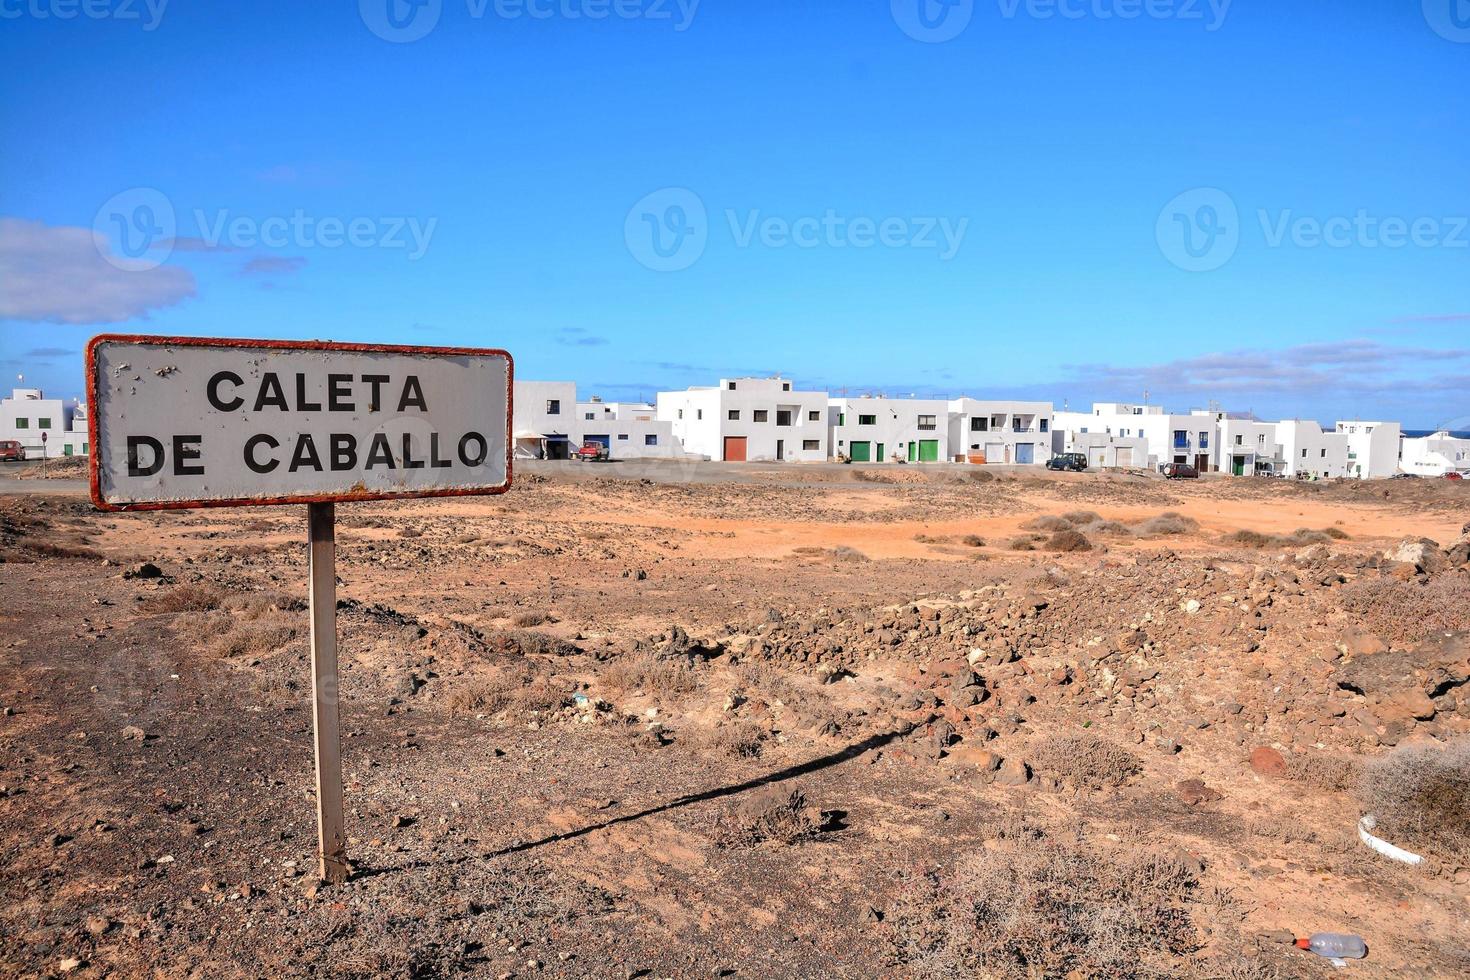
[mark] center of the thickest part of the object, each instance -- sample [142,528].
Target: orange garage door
[734,449]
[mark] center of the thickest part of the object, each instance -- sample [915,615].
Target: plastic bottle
[1341,945]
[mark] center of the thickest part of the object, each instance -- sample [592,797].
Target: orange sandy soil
[501,830]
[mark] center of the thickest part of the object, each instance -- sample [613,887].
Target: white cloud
[59,275]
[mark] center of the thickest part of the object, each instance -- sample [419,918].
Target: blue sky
[1256,203]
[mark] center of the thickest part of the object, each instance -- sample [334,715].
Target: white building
[988,431]
[550,424]
[1171,438]
[756,419]
[44,426]
[1248,447]
[1103,450]
[1311,452]
[1373,448]
[884,430]
[1436,455]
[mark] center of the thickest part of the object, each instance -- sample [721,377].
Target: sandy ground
[565,710]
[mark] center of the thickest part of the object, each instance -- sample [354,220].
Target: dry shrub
[254,605]
[527,643]
[1421,796]
[539,695]
[738,740]
[1048,523]
[1169,522]
[1049,908]
[1027,543]
[1114,529]
[1334,773]
[1083,759]
[772,813]
[525,620]
[1305,535]
[195,597]
[410,532]
[1068,541]
[256,637]
[1410,610]
[973,540]
[57,549]
[650,674]
[1081,518]
[474,694]
[1337,533]
[1247,538]
[840,553]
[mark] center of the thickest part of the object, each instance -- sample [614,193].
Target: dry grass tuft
[1068,541]
[1048,523]
[1048,908]
[772,813]
[973,540]
[1082,518]
[525,620]
[1083,759]
[738,740]
[257,637]
[474,694]
[184,598]
[1168,523]
[1408,609]
[1421,796]
[650,674]
[1247,538]
[1333,773]
[528,643]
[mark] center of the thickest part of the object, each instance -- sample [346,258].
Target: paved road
[10,485]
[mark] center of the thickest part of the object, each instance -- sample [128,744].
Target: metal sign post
[178,422]
[321,520]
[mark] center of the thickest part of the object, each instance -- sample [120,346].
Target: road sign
[194,422]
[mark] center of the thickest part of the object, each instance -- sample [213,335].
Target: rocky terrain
[797,722]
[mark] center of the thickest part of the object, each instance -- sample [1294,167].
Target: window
[1324,454]
[553,406]
[762,415]
[814,416]
[43,423]
[22,423]
[786,386]
[783,418]
[1181,439]
[1016,424]
[867,420]
[927,422]
[589,416]
[622,437]
[811,444]
[1239,440]
[1045,424]
[1204,440]
[1304,454]
[841,418]
[698,413]
[979,424]
[681,413]
[730,385]
[733,415]
[650,440]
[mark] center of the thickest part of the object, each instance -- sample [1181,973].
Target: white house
[989,431]
[44,426]
[883,430]
[1171,437]
[1103,450]
[1248,447]
[629,430]
[545,419]
[1373,448]
[756,419]
[1311,452]
[1436,454]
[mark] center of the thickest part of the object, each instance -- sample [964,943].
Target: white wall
[1436,455]
[21,418]
[633,431]
[895,425]
[1309,451]
[1373,448]
[1103,451]
[1153,424]
[701,418]
[1257,444]
[995,428]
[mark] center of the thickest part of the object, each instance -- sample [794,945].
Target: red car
[1453,476]
[1181,471]
[12,451]
[591,452]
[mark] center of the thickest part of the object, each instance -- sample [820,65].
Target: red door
[734,449]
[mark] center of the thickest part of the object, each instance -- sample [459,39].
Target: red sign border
[95,464]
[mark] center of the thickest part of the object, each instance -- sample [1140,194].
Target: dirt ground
[739,721]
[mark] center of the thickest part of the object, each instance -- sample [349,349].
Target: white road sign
[195,422]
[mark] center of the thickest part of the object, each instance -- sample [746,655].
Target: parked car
[1075,462]
[12,451]
[1181,471]
[591,452]
[1404,476]
[1453,476]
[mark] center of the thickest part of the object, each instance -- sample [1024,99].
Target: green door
[913,451]
[861,452]
[880,456]
[1238,466]
[66,449]
[928,450]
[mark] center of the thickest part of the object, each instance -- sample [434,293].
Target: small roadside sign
[179,422]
